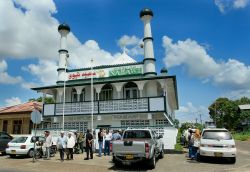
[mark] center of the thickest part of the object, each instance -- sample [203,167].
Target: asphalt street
[170,163]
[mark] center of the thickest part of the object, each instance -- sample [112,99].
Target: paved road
[170,163]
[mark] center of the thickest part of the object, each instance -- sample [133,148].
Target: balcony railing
[145,104]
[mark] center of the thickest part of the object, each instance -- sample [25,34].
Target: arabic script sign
[107,72]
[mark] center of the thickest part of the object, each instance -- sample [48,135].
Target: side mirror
[34,139]
[160,136]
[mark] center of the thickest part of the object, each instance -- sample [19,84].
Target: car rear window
[19,140]
[136,134]
[216,135]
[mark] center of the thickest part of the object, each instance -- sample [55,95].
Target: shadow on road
[212,160]
[140,166]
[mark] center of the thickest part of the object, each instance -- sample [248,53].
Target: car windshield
[217,135]
[136,134]
[19,140]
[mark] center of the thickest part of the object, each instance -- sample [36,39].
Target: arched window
[74,96]
[130,91]
[106,92]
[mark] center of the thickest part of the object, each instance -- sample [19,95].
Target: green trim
[103,113]
[60,69]
[63,50]
[151,38]
[105,66]
[149,59]
[106,81]
[154,73]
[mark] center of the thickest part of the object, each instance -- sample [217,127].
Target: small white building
[125,94]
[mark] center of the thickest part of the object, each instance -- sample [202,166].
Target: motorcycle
[40,151]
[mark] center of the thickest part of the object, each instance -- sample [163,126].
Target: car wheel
[152,162]
[199,157]
[161,154]
[31,153]
[12,156]
[233,160]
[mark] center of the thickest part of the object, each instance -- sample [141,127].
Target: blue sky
[204,43]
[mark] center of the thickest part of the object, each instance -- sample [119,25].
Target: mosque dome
[146,11]
[123,59]
[64,26]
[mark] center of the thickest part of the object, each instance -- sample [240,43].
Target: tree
[224,113]
[176,123]
[46,100]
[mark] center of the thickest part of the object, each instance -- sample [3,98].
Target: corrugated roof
[25,107]
[244,107]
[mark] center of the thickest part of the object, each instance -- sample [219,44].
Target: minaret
[63,29]
[149,59]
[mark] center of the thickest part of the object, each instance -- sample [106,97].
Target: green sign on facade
[128,70]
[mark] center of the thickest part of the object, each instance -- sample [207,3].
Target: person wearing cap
[61,144]
[70,145]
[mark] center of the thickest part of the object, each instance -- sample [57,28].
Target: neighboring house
[16,119]
[246,122]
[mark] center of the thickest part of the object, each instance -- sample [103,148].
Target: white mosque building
[125,94]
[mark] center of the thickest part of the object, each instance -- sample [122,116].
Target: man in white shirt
[47,143]
[70,145]
[107,139]
[61,144]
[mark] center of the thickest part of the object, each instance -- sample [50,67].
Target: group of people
[191,139]
[104,139]
[68,144]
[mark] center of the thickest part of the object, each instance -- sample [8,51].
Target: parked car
[217,142]
[4,140]
[138,145]
[23,145]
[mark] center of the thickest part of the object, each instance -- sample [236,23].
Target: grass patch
[178,146]
[242,136]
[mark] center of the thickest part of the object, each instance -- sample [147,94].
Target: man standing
[116,135]
[48,143]
[61,144]
[107,139]
[89,143]
[100,141]
[70,145]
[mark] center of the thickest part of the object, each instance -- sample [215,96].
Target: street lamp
[64,87]
[92,98]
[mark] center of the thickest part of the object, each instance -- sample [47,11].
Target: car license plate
[218,154]
[129,156]
[13,151]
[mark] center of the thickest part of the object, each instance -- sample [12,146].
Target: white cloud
[231,74]
[189,113]
[31,31]
[13,101]
[190,53]
[29,85]
[5,78]
[227,5]
[45,70]
[131,44]
[3,66]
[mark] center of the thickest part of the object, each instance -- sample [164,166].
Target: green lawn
[178,146]
[243,136]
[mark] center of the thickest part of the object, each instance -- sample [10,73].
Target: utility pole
[200,119]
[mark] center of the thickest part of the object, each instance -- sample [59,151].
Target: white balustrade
[151,104]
